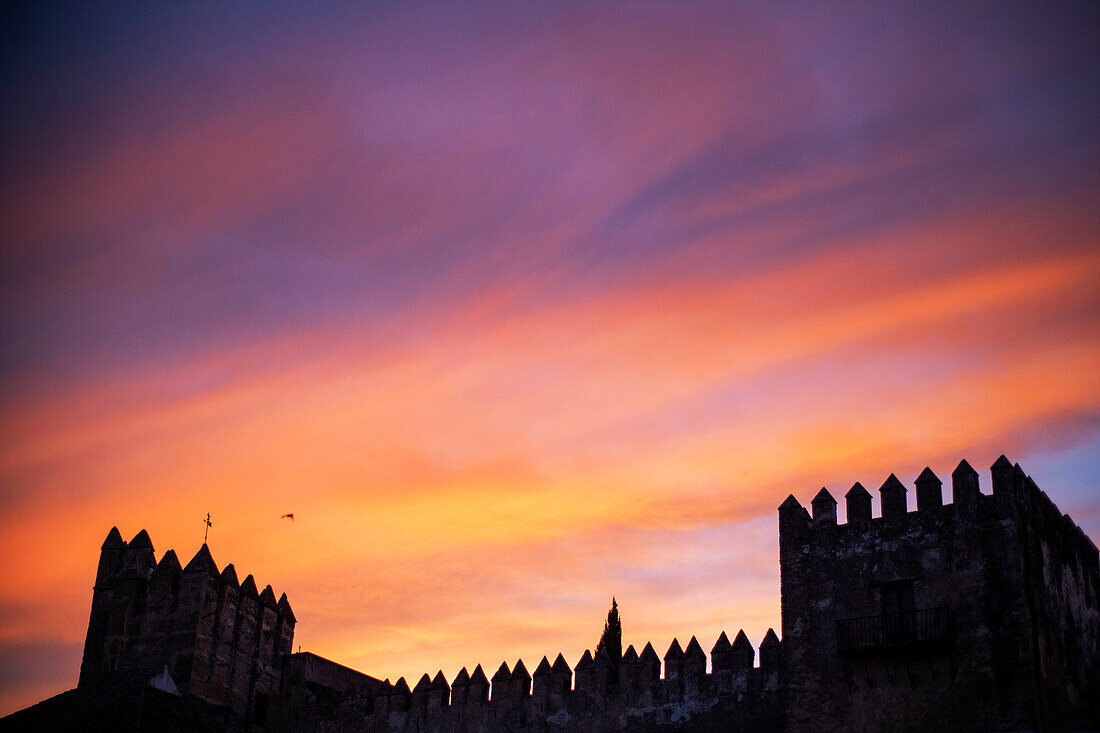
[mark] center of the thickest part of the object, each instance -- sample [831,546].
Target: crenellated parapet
[556,697]
[1014,496]
[222,641]
[968,589]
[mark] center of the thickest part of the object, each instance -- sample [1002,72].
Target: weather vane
[206,531]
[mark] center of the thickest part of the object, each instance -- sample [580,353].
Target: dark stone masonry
[982,614]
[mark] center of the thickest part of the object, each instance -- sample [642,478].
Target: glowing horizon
[518,308]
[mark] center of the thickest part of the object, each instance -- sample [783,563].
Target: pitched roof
[1001,462]
[823,496]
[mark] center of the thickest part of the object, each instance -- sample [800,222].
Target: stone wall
[555,697]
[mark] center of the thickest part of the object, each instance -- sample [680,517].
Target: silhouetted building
[982,614]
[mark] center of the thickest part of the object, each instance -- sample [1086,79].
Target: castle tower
[982,614]
[222,643]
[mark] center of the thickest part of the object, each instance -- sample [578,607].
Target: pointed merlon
[824,506]
[694,650]
[502,672]
[424,684]
[285,610]
[674,650]
[964,487]
[892,496]
[478,677]
[401,688]
[229,576]
[561,666]
[248,588]
[858,504]
[439,682]
[929,490]
[630,656]
[202,562]
[519,672]
[543,668]
[141,541]
[1001,463]
[741,641]
[722,645]
[770,640]
[168,565]
[602,659]
[113,541]
[585,661]
[267,598]
[649,654]
[462,678]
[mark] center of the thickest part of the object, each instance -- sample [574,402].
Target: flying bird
[287,516]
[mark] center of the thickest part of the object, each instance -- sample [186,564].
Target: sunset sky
[518,307]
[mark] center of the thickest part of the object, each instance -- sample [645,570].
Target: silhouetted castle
[978,615]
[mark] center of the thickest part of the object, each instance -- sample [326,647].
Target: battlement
[556,694]
[1015,495]
[222,640]
[983,612]
[992,590]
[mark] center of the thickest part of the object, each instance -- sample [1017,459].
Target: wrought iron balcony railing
[927,627]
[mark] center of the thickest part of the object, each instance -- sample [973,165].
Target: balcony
[897,631]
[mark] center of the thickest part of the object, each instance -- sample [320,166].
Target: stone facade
[981,614]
